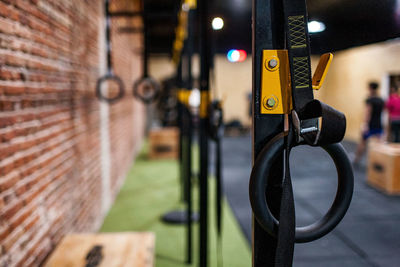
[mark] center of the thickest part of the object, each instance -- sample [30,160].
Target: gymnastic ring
[259,181]
[110,77]
[147,99]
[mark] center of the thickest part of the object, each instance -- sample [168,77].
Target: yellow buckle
[321,71]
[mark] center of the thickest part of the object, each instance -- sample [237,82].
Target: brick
[6,26]
[20,218]
[21,189]
[32,221]
[4,232]
[4,9]
[12,239]
[9,181]
[9,212]
[14,90]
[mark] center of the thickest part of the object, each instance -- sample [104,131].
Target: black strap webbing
[309,112]
[333,125]
[287,222]
[219,197]
[298,45]
[216,133]
[218,180]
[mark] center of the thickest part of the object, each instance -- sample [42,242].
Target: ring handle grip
[117,80]
[259,181]
[153,85]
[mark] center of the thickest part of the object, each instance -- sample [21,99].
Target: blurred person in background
[372,125]
[393,107]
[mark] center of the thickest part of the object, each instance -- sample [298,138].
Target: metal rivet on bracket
[270,102]
[272,64]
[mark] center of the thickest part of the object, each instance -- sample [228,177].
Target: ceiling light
[217,23]
[236,55]
[316,26]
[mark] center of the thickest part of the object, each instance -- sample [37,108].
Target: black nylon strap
[218,178]
[287,222]
[298,45]
[216,130]
[333,125]
[219,197]
[108,36]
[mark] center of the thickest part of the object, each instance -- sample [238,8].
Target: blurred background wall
[231,82]
[345,87]
[351,70]
[63,154]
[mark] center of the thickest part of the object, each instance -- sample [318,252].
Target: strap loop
[319,124]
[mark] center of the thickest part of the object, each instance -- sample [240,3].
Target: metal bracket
[275,83]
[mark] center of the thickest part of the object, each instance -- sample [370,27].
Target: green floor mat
[152,189]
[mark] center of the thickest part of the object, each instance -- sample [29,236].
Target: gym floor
[151,189]
[369,235]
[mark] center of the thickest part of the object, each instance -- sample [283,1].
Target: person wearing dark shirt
[373,120]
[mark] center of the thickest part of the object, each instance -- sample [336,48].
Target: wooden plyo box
[384,167]
[117,250]
[164,143]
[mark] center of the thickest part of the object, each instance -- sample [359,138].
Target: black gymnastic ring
[121,88]
[153,96]
[259,181]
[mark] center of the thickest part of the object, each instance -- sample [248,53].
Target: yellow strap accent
[181,32]
[192,3]
[322,70]
[183,96]
[204,103]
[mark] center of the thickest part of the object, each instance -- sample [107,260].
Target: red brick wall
[51,144]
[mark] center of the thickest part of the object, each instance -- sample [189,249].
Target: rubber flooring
[369,235]
[151,190]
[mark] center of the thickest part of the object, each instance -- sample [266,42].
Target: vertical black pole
[204,121]
[189,54]
[268,33]
[188,179]
[179,84]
